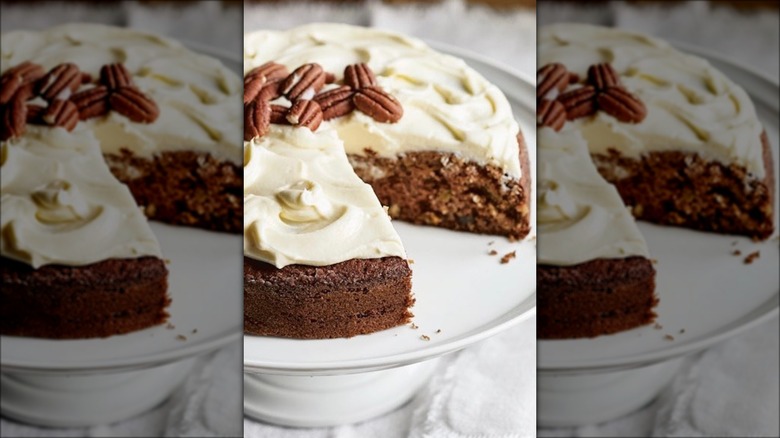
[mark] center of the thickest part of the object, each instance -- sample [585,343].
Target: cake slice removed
[593,262]
[321,257]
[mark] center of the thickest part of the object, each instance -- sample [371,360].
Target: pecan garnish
[61,112]
[378,104]
[35,114]
[14,118]
[270,70]
[551,80]
[579,102]
[305,82]
[329,77]
[305,113]
[257,119]
[550,113]
[279,115]
[115,76]
[92,102]
[603,76]
[252,87]
[9,85]
[622,105]
[359,76]
[133,104]
[272,90]
[336,103]
[86,78]
[30,72]
[60,82]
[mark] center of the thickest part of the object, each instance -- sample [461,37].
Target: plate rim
[527,307]
[677,350]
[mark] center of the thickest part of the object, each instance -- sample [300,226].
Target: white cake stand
[463,296]
[70,383]
[706,293]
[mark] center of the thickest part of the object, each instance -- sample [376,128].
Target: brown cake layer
[107,298]
[595,298]
[444,190]
[683,189]
[318,302]
[184,188]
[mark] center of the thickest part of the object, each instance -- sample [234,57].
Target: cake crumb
[507,257]
[734,243]
[669,337]
[654,261]
[532,238]
[170,326]
[438,331]
[736,252]
[491,242]
[681,331]
[411,261]
[751,257]
[492,252]
[194,331]
[658,326]
[425,338]
[414,326]
[181,338]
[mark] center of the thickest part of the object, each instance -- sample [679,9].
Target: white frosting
[303,203]
[447,105]
[198,97]
[690,106]
[580,216]
[62,205]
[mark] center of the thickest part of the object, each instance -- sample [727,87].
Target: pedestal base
[589,398]
[320,401]
[61,400]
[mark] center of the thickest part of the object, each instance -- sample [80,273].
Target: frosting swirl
[448,106]
[303,203]
[62,205]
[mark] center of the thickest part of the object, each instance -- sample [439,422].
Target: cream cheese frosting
[62,205]
[580,216]
[691,106]
[198,97]
[303,203]
[448,106]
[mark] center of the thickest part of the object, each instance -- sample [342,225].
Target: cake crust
[595,298]
[184,188]
[102,299]
[683,189]
[342,300]
[444,190]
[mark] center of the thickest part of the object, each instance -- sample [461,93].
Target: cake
[102,126]
[680,142]
[436,143]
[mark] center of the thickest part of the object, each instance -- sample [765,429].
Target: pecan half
[579,102]
[14,118]
[305,82]
[279,115]
[35,114]
[305,113]
[133,104]
[551,80]
[550,113]
[9,85]
[252,87]
[336,103]
[257,119]
[329,77]
[30,72]
[270,70]
[378,104]
[359,76]
[60,82]
[115,76]
[603,76]
[92,102]
[272,90]
[86,78]
[622,105]
[61,113]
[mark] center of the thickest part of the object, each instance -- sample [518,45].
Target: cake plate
[707,295]
[70,383]
[463,295]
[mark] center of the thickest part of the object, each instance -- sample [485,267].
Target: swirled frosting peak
[62,205]
[303,203]
[447,105]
